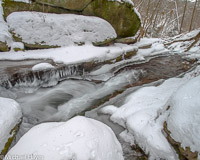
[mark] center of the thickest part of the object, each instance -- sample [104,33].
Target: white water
[67,99]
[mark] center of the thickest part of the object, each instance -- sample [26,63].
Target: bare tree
[177,14]
[193,13]
[186,2]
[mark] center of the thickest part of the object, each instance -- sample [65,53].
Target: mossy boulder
[3,47]
[78,5]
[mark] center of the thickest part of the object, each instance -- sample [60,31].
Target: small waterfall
[45,78]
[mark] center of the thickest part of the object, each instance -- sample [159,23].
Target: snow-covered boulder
[184,119]
[79,138]
[10,118]
[121,14]
[43,30]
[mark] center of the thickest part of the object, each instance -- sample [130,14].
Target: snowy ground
[183,41]
[72,54]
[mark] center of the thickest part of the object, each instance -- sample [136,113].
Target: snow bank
[140,116]
[145,110]
[42,66]
[155,49]
[10,115]
[71,54]
[79,138]
[59,30]
[182,42]
[184,118]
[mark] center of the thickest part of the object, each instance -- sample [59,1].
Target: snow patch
[124,1]
[42,66]
[25,1]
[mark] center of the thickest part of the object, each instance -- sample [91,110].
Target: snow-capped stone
[44,29]
[183,121]
[79,138]
[10,116]
[42,66]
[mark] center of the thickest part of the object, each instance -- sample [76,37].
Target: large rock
[40,30]
[10,118]
[120,14]
[79,138]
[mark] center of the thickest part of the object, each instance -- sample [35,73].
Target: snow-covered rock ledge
[11,115]
[79,139]
[146,110]
[45,30]
[184,119]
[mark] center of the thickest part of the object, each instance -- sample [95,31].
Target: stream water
[83,94]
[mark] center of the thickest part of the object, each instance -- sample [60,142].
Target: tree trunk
[193,12]
[177,14]
[186,1]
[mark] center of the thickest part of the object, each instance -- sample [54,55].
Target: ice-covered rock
[44,30]
[79,138]
[10,117]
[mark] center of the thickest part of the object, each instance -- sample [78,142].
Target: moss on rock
[11,6]
[77,5]
[3,47]
[12,133]
[184,154]
[120,15]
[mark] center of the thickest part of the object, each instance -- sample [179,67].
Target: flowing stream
[58,95]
